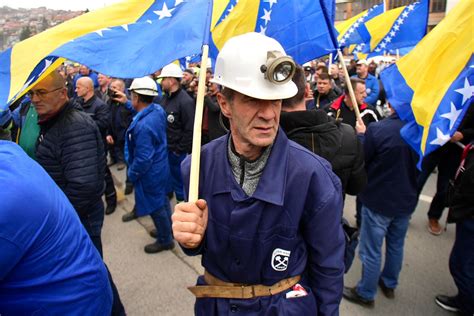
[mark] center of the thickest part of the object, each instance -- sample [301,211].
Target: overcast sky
[59,4]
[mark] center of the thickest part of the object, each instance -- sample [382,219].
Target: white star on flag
[467,92]
[383,45]
[230,9]
[164,12]
[396,27]
[262,30]
[125,27]
[392,33]
[400,20]
[356,24]
[452,116]
[411,7]
[178,2]
[27,84]
[377,50]
[100,32]
[271,2]
[47,63]
[266,16]
[441,138]
[405,14]
[388,39]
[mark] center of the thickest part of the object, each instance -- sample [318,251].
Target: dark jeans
[110,192]
[175,169]
[117,150]
[162,220]
[93,224]
[447,158]
[461,265]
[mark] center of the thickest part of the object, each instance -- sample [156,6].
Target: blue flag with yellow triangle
[304,28]
[432,87]
[349,30]
[127,40]
[394,29]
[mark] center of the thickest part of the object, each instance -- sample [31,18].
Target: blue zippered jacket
[147,159]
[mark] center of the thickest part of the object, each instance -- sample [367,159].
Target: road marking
[426,198]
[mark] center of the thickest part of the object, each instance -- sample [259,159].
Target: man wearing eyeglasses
[71,150]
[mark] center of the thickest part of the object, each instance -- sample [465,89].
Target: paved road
[156,284]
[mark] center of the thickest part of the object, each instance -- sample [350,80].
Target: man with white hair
[268,224]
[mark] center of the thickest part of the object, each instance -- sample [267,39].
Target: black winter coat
[98,111]
[334,141]
[179,107]
[71,150]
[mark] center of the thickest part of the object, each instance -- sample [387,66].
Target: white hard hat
[171,70]
[242,66]
[144,86]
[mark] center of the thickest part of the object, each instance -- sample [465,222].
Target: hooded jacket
[334,141]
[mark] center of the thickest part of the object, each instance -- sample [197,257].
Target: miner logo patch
[170,118]
[280,258]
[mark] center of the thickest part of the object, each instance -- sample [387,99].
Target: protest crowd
[278,157]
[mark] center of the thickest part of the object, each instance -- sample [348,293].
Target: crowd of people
[277,160]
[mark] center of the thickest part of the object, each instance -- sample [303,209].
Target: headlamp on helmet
[279,68]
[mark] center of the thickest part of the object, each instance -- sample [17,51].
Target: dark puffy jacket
[71,150]
[179,107]
[334,141]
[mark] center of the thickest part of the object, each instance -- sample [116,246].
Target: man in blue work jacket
[147,159]
[268,225]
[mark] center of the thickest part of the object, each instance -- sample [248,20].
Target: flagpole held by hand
[348,83]
[196,149]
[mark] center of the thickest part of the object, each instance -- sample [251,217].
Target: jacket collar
[87,104]
[49,120]
[140,115]
[173,94]
[340,101]
[271,186]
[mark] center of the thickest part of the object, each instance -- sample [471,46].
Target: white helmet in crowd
[171,70]
[257,66]
[144,86]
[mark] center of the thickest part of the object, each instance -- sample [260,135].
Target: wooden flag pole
[348,83]
[196,149]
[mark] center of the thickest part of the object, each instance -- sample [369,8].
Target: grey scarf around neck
[247,173]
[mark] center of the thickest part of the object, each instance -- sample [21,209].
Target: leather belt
[217,288]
